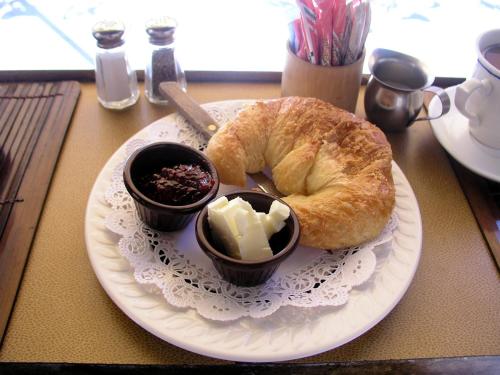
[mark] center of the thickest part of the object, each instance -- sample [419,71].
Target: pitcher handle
[445,102]
[464,91]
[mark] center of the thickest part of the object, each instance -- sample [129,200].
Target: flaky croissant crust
[333,168]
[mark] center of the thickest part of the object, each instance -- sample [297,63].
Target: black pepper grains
[162,68]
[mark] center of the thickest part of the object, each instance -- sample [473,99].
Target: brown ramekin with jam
[169,183]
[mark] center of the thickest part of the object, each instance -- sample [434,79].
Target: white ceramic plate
[452,131]
[278,337]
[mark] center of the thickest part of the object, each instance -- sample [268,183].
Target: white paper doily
[174,263]
[245,339]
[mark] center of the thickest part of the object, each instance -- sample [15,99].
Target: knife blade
[200,119]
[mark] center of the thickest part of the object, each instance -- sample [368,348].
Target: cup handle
[445,102]
[464,91]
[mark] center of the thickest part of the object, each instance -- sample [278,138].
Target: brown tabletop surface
[62,314]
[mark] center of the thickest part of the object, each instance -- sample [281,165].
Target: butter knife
[202,121]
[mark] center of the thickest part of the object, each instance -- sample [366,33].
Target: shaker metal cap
[161,30]
[108,33]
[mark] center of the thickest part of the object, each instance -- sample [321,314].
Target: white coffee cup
[478,98]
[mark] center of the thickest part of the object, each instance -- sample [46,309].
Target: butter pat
[275,220]
[242,232]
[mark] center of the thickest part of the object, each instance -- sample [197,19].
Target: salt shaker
[116,82]
[162,62]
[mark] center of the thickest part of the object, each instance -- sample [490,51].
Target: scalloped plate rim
[213,351]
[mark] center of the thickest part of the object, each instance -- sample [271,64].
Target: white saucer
[452,131]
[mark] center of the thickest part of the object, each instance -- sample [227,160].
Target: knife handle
[202,121]
[189,109]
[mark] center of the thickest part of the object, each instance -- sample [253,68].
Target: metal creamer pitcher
[395,92]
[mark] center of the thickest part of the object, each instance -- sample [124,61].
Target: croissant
[333,168]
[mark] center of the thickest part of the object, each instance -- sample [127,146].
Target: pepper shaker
[116,82]
[162,62]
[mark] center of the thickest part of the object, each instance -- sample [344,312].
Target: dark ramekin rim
[207,247]
[148,202]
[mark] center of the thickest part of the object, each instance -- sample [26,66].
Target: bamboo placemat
[34,118]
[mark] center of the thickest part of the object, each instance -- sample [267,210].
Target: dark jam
[179,185]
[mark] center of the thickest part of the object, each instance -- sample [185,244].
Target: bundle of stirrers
[330,32]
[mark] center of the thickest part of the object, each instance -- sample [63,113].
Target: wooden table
[63,315]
